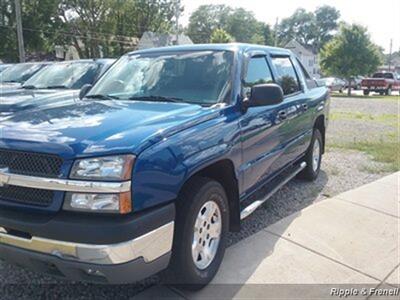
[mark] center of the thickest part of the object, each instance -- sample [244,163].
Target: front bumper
[109,259]
[129,272]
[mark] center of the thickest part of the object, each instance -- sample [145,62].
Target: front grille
[33,164]
[28,196]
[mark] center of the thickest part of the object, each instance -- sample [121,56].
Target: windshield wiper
[29,87]
[157,98]
[56,87]
[102,97]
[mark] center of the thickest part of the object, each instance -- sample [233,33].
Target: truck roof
[235,47]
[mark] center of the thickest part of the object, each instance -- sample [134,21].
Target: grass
[388,119]
[384,152]
[370,97]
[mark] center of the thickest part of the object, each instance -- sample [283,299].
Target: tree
[309,28]
[107,25]
[350,53]
[239,23]
[220,36]
[40,24]
[204,20]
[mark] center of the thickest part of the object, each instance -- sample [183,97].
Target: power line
[72,34]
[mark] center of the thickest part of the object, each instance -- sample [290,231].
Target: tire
[311,171]
[366,92]
[388,92]
[381,93]
[185,271]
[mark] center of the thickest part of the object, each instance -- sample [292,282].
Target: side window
[309,81]
[286,75]
[257,72]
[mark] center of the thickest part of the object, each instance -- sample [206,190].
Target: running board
[254,205]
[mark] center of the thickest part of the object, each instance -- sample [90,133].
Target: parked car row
[24,86]
[383,83]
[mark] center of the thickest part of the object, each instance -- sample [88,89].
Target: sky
[382,17]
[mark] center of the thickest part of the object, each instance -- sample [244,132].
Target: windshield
[19,73]
[383,75]
[201,77]
[3,67]
[64,75]
[328,80]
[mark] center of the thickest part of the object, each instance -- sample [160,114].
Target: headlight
[108,168]
[101,203]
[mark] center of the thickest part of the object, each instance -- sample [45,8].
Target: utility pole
[20,35]
[276,33]
[390,55]
[177,13]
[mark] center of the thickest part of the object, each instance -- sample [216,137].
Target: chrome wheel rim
[316,155]
[207,235]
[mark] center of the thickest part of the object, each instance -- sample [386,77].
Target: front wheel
[313,158]
[202,224]
[366,92]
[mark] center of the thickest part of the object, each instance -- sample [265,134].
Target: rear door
[294,115]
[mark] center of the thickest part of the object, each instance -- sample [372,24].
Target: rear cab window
[286,75]
[310,82]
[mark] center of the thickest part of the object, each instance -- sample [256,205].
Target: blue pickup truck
[169,151]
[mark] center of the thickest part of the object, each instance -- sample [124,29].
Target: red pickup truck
[382,83]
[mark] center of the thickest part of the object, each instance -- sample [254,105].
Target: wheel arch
[223,171]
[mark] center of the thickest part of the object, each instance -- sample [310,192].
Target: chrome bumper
[65,185]
[149,246]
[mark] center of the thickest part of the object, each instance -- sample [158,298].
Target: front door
[259,129]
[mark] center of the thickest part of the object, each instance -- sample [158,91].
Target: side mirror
[265,94]
[84,90]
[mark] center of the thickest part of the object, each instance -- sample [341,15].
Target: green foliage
[92,26]
[238,23]
[309,28]
[220,36]
[350,53]
[40,22]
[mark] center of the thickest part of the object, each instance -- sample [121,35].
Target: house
[307,57]
[154,40]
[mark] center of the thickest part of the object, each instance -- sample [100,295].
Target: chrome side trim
[253,206]
[150,246]
[66,185]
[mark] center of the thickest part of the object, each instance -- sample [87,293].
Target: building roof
[305,49]
[153,40]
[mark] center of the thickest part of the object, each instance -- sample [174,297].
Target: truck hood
[22,99]
[90,128]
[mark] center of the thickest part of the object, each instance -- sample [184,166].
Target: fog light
[102,203]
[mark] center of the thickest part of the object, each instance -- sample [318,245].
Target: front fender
[162,169]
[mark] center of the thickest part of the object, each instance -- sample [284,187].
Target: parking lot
[362,141]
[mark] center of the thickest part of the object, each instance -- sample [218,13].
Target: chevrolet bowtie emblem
[4,177]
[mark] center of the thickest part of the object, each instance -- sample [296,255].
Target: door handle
[282,115]
[305,106]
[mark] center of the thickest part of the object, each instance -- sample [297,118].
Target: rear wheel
[366,92]
[313,158]
[202,224]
